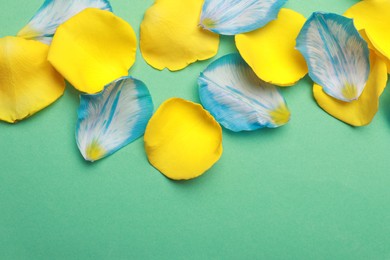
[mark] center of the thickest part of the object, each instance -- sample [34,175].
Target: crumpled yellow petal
[182,140]
[92,49]
[171,37]
[374,17]
[270,51]
[28,83]
[358,112]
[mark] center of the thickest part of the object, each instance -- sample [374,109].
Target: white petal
[337,56]
[238,99]
[113,118]
[230,17]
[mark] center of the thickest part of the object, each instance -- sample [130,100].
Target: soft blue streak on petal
[114,117]
[231,17]
[53,13]
[335,52]
[236,97]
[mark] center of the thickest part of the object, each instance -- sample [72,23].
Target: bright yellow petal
[92,49]
[171,37]
[28,83]
[374,17]
[270,50]
[359,112]
[371,46]
[182,140]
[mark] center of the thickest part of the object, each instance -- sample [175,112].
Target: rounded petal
[171,37]
[358,112]
[238,99]
[113,118]
[336,54]
[230,17]
[89,54]
[270,51]
[28,83]
[374,17]
[53,13]
[182,140]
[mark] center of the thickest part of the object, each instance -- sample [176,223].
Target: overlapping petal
[358,112]
[337,56]
[92,49]
[230,17]
[270,51]
[374,17]
[171,37]
[113,118]
[52,13]
[372,47]
[238,99]
[182,140]
[28,83]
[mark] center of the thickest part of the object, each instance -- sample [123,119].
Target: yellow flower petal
[92,49]
[270,51]
[371,46]
[28,83]
[182,140]
[171,37]
[374,17]
[359,112]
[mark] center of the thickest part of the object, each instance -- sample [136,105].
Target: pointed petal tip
[94,151]
[280,116]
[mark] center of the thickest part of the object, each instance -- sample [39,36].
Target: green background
[313,189]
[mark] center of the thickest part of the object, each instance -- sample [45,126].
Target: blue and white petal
[231,17]
[53,13]
[336,54]
[113,118]
[238,99]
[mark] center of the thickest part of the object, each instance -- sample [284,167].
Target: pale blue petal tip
[114,117]
[231,17]
[53,13]
[237,99]
[335,52]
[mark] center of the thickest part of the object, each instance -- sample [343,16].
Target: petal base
[359,112]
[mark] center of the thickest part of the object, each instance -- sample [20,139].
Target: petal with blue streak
[230,17]
[362,111]
[53,13]
[113,118]
[337,56]
[238,99]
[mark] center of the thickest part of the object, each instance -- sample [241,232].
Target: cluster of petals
[346,56]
